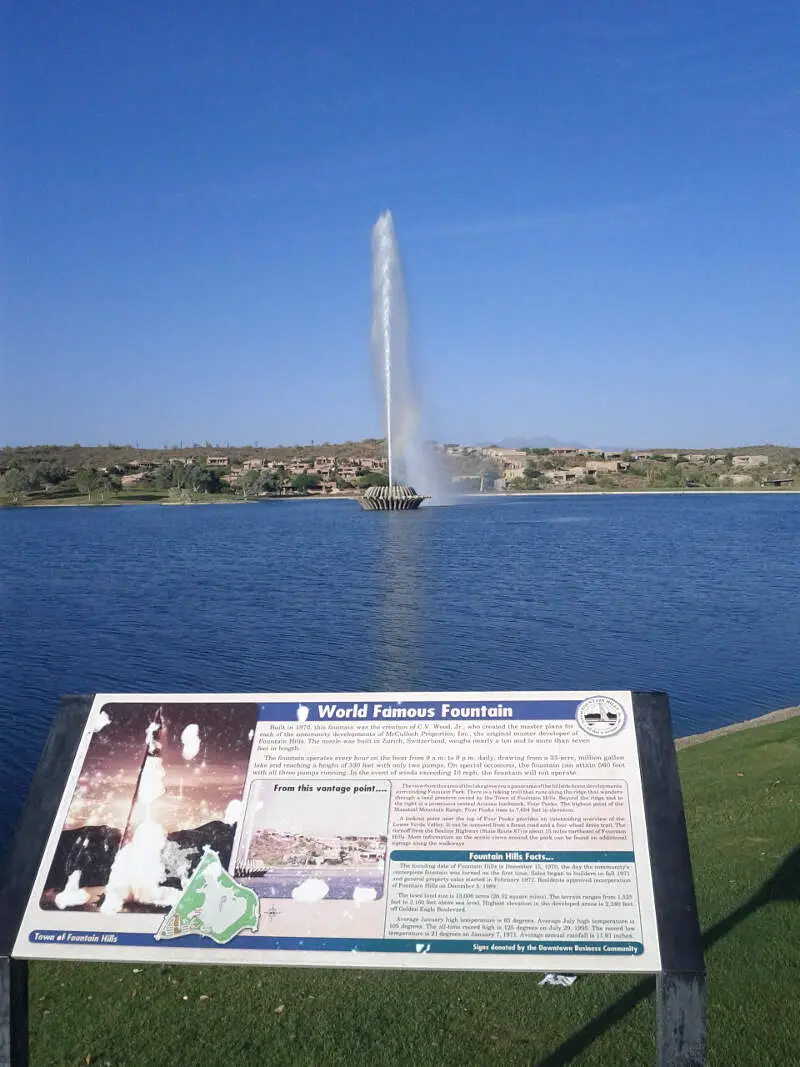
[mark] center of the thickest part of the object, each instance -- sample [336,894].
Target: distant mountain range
[531,442]
[615,446]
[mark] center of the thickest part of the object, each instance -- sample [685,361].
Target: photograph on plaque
[159,784]
[315,839]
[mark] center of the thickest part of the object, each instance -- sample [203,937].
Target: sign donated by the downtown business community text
[431,830]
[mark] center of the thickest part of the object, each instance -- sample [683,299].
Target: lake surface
[696,595]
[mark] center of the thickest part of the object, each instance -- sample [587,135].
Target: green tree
[668,476]
[673,477]
[301,483]
[52,472]
[33,476]
[202,479]
[651,472]
[106,483]
[370,478]
[15,483]
[163,476]
[86,481]
[250,483]
[180,475]
[269,481]
[707,478]
[274,481]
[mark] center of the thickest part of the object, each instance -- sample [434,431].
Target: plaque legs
[13,1012]
[680,1019]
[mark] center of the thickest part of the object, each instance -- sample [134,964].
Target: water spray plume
[408,460]
[384,265]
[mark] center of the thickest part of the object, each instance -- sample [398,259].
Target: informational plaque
[472,831]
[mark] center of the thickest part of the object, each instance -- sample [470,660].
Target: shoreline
[637,492]
[736,727]
[127,503]
[533,494]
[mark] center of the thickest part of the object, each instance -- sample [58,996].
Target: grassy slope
[741,796]
[107,455]
[127,495]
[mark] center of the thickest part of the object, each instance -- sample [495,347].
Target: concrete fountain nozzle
[391,498]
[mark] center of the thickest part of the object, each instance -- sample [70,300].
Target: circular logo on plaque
[600,716]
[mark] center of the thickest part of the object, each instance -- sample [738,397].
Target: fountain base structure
[391,498]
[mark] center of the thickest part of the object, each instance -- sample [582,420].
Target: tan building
[643,456]
[505,455]
[216,461]
[511,471]
[323,465]
[750,461]
[564,476]
[605,466]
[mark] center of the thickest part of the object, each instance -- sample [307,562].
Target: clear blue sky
[596,205]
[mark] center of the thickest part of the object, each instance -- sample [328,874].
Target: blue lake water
[696,595]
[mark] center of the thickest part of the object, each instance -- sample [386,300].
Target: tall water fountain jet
[408,459]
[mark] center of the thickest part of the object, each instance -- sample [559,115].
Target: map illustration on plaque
[212,905]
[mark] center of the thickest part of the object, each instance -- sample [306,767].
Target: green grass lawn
[131,495]
[126,495]
[741,796]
